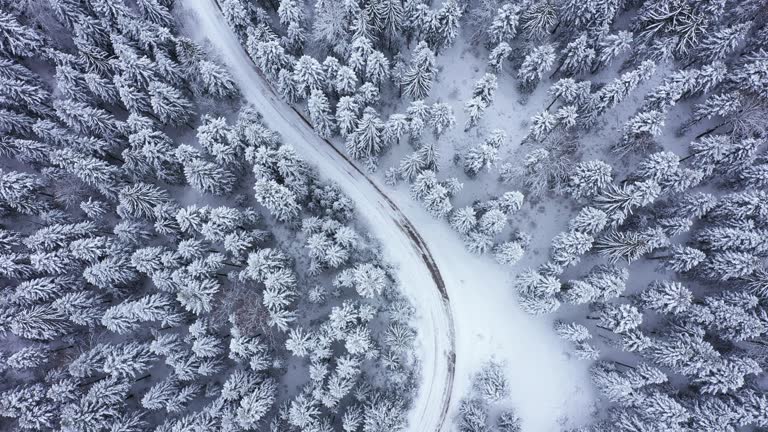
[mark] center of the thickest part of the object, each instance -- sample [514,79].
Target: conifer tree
[216,80]
[347,115]
[508,253]
[377,68]
[475,108]
[320,114]
[589,178]
[578,56]
[441,118]
[498,56]
[718,44]
[504,25]
[308,75]
[569,246]
[19,191]
[278,199]
[667,297]
[367,140]
[538,19]
[169,104]
[484,155]
[417,81]
[85,118]
[17,39]
[617,90]
[140,200]
[535,65]
[611,46]
[485,88]
[443,28]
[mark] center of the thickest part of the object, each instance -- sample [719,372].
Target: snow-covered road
[466,309]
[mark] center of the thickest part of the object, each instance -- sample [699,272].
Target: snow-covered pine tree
[485,155]
[216,80]
[475,108]
[417,80]
[485,88]
[17,39]
[443,27]
[718,44]
[504,25]
[578,56]
[169,104]
[367,140]
[308,74]
[536,63]
[320,113]
[610,47]
[441,118]
[538,19]
[589,178]
[498,56]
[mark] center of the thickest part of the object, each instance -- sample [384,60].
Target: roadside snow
[547,386]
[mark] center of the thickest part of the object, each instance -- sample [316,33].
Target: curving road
[419,275]
[464,303]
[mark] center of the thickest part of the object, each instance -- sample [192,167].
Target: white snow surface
[476,319]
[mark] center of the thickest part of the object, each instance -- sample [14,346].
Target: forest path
[466,310]
[419,275]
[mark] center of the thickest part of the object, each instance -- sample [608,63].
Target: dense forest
[170,263]
[660,276]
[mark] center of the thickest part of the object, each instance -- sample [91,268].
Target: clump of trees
[145,287]
[485,407]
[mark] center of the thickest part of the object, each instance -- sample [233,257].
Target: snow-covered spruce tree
[475,108]
[308,75]
[169,104]
[489,391]
[504,25]
[442,26]
[485,88]
[320,113]
[347,114]
[589,178]
[639,132]
[616,91]
[367,140]
[490,383]
[610,47]
[17,39]
[485,155]
[535,65]
[537,292]
[440,118]
[216,80]
[436,195]
[542,169]
[538,19]
[578,56]
[498,56]
[417,80]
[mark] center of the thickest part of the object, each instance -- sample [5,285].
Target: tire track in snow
[219,31]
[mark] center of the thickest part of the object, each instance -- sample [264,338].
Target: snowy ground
[474,318]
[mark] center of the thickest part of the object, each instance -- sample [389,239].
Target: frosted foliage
[589,178]
[572,332]
[508,253]
[261,216]
[367,279]
[490,383]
